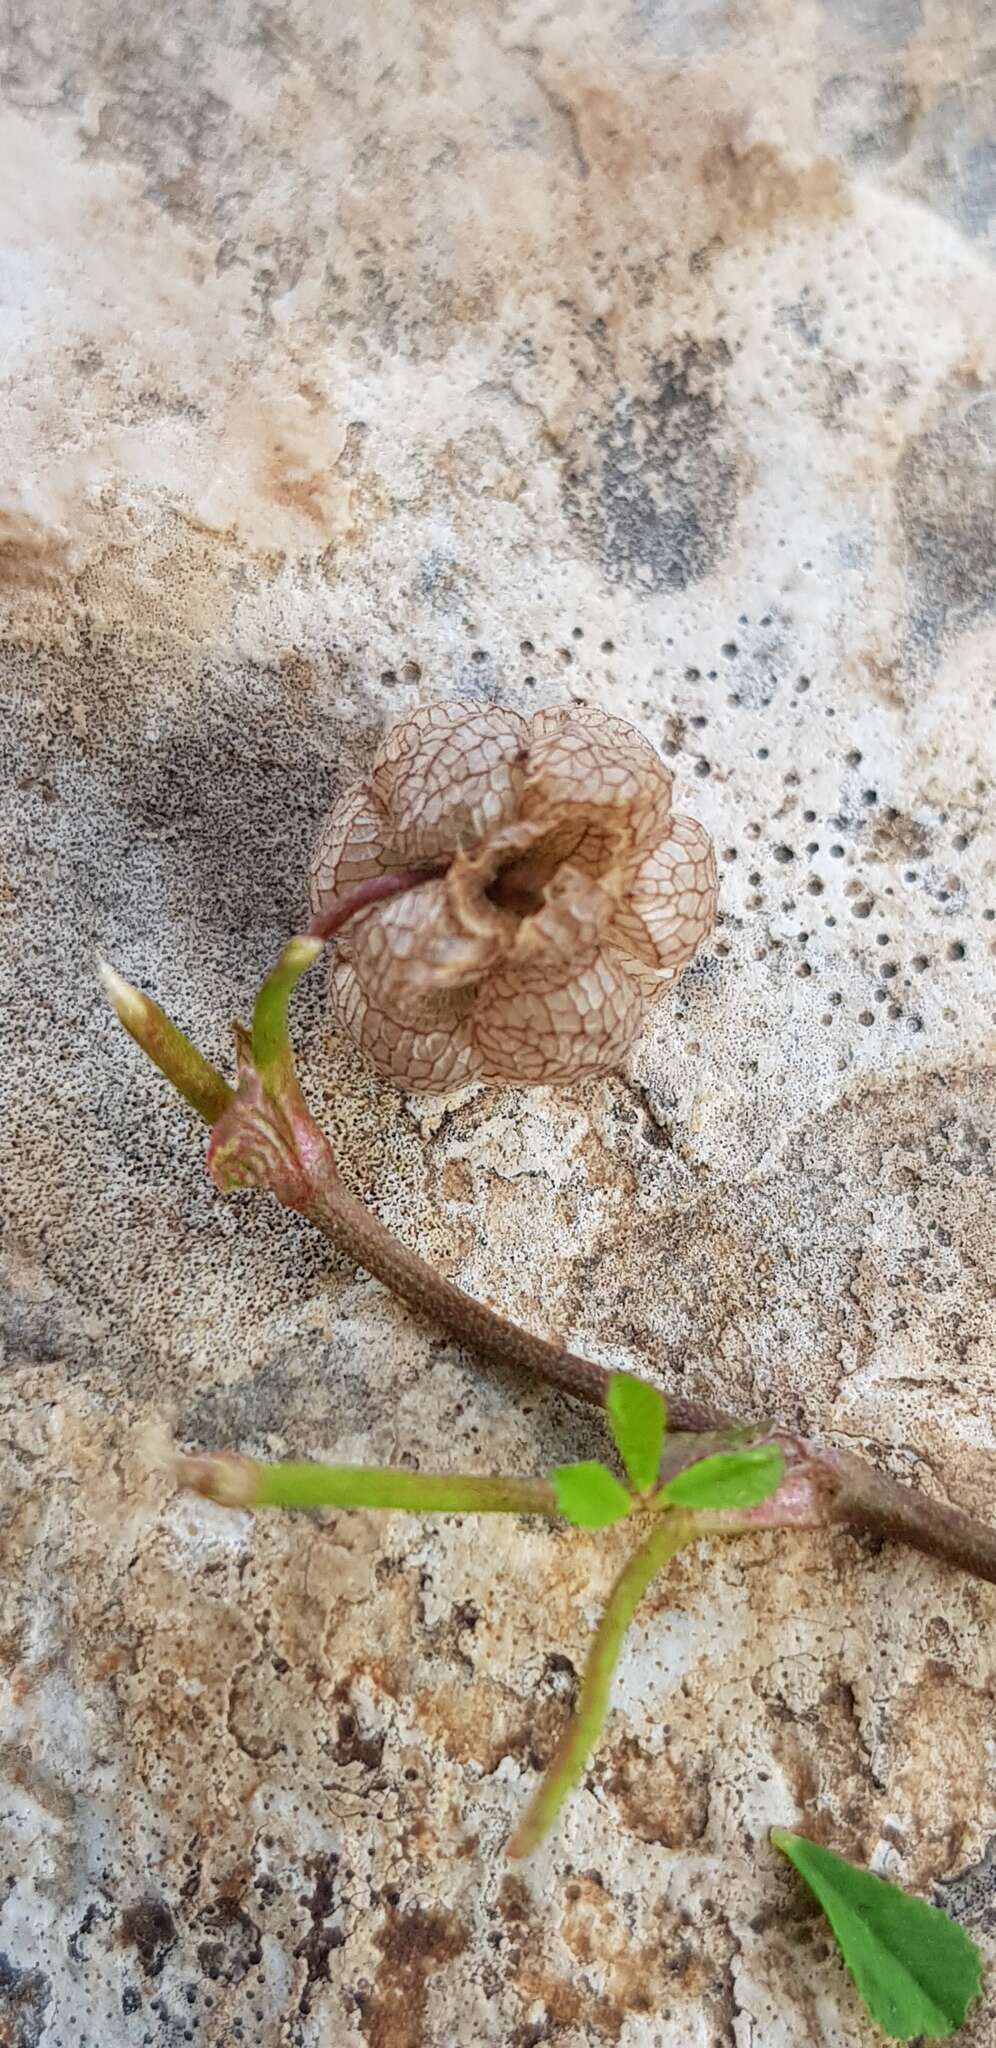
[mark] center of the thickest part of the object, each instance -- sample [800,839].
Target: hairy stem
[357,1232]
[585,1725]
[264,1136]
[869,1499]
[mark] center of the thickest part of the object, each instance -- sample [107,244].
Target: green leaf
[732,1479]
[916,1970]
[589,1495]
[637,1418]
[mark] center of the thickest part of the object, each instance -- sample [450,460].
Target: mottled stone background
[639,352]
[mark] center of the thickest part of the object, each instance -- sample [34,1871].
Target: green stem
[820,1486]
[192,1075]
[271,1051]
[585,1726]
[234,1481]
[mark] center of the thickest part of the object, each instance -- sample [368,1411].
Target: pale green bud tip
[128,1002]
[301,953]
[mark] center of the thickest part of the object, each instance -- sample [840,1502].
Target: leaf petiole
[234,1481]
[583,1729]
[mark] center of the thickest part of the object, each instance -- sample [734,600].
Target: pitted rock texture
[638,356]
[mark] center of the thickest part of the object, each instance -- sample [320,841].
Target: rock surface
[634,353]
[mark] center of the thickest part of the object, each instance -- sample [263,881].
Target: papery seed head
[573,899]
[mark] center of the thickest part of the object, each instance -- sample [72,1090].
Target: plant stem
[376,889]
[585,1725]
[271,1052]
[235,1481]
[280,1148]
[873,1500]
[360,1235]
[821,1485]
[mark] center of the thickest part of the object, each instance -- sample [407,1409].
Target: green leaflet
[916,1970]
[637,1418]
[731,1479]
[589,1495]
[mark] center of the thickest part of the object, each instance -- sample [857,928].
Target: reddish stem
[376,889]
[271,1142]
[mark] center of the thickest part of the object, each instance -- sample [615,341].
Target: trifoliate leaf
[589,1495]
[916,1970]
[732,1479]
[637,1419]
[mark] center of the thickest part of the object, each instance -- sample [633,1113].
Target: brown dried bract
[573,896]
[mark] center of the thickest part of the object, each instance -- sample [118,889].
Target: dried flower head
[572,898]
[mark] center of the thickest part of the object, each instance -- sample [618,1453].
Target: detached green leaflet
[589,1495]
[637,1419]
[732,1479]
[916,1970]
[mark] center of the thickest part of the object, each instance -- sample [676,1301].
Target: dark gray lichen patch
[946,490]
[24,1996]
[149,1927]
[869,119]
[971,1895]
[228,1942]
[651,480]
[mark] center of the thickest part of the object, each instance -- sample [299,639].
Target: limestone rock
[631,354]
